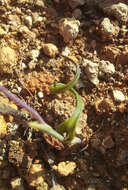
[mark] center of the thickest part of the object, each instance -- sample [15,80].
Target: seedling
[69,125]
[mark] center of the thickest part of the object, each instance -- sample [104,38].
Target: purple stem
[19,102]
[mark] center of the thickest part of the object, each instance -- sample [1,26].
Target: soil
[36,161]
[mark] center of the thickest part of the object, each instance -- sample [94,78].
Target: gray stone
[91,70]
[106,67]
[108,30]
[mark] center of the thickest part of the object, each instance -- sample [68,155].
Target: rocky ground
[33,36]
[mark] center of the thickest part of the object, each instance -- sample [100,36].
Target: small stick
[9,110]
[41,124]
[19,102]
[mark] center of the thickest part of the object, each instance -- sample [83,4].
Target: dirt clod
[65,168]
[8,59]
[69,28]
[17,184]
[50,49]
[108,30]
[35,177]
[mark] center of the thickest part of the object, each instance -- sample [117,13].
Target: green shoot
[55,88]
[69,125]
[46,128]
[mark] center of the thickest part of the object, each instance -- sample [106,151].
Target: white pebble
[28,21]
[66,51]
[32,64]
[39,3]
[40,94]
[118,96]
[106,67]
[39,19]
[91,70]
[108,30]
[19,89]
[34,54]
[23,65]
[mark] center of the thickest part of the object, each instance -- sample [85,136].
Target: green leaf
[59,87]
[69,125]
[46,128]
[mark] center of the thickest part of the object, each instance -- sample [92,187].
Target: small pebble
[19,89]
[3,127]
[65,168]
[36,18]
[69,28]
[8,59]
[34,54]
[108,30]
[50,49]
[17,183]
[32,64]
[90,187]
[91,69]
[106,67]
[40,94]
[22,65]
[118,96]
[28,21]
[66,51]
[118,10]
[27,34]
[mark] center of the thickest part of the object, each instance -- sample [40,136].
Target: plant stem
[69,125]
[19,102]
[46,128]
